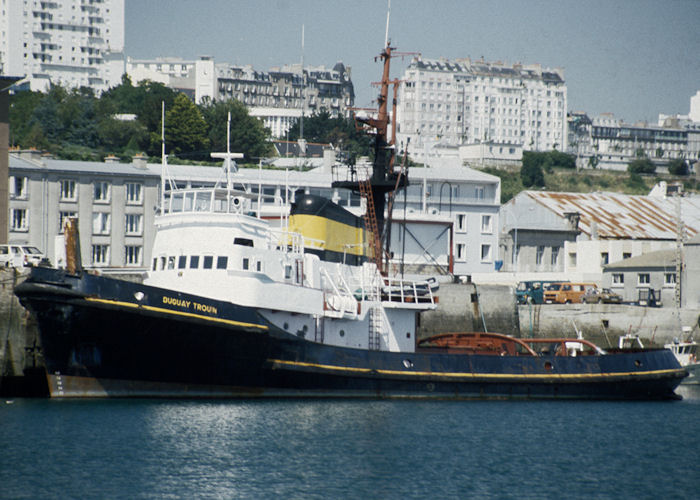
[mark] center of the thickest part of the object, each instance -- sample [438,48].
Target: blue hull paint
[99,339]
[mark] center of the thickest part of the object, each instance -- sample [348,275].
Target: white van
[20,255]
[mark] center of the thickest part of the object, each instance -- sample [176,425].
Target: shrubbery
[641,166]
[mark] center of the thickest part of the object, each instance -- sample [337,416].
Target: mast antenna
[163,158]
[303,88]
[386,33]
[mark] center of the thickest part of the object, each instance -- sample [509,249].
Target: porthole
[341,333]
[637,363]
[286,325]
[548,366]
[408,363]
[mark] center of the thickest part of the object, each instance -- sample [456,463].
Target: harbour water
[349,449]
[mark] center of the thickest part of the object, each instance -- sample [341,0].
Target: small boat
[686,354]
[233,306]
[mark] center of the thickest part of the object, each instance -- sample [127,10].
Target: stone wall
[465,307]
[15,335]
[605,323]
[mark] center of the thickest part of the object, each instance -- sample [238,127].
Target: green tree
[45,121]
[76,112]
[22,106]
[531,174]
[186,130]
[323,128]
[248,135]
[641,166]
[122,136]
[678,166]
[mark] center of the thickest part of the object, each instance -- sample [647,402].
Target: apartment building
[69,42]
[607,142]
[463,102]
[278,97]
[281,95]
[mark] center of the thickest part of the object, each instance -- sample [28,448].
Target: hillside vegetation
[586,181]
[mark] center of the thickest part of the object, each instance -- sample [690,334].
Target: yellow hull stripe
[177,313]
[470,375]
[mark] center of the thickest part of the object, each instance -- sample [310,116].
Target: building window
[539,255]
[643,279]
[221,262]
[133,193]
[19,220]
[626,255]
[572,259]
[100,255]
[479,192]
[486,225]
[194,261]
[182,262]
[461,223]
[133,224]
[208,261]
[68,190]
[618,279]
[461,252]
[669,279]
[62,216]
[132,255]
[555,256]
[485,253]
[100,223]
[18,187]
[102,192]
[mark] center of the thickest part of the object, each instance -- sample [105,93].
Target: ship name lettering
[172,301]
[205,308]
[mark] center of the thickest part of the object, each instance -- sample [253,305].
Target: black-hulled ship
[234,307]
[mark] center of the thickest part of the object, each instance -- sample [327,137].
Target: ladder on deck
[375,327]
[370,218]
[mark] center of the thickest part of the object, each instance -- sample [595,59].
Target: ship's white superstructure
[208,243]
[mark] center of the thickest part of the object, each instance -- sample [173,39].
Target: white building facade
[467,102]
[73,43]
[447,225]
[278,97]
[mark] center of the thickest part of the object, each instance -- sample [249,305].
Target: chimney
[139,161]
[573,218]
[328,160]
[32,155]
[111,159]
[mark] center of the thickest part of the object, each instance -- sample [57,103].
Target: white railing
[339,299]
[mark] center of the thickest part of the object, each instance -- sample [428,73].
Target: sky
[633,58]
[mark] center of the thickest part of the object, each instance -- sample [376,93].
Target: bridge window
[246,242]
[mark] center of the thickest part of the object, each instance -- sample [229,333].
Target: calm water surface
[349,449]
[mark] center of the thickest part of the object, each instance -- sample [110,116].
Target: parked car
[20,255]
[531,291]
[566,293]
[605,296]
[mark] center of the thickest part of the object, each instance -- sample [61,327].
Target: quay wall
[468,307]
[16,332]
